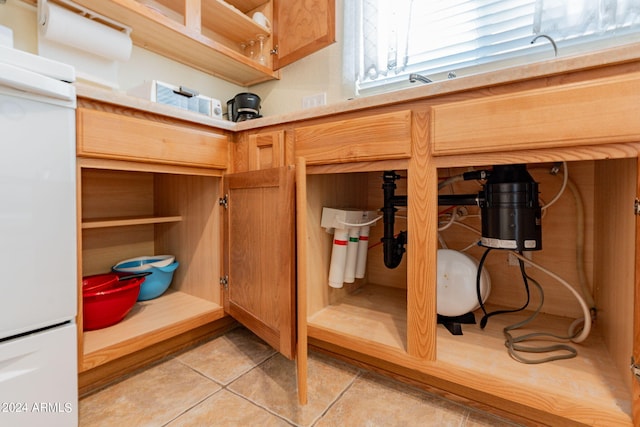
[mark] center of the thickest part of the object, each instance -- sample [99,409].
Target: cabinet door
[636,317]
[266,150]
[259,254]
[302,28]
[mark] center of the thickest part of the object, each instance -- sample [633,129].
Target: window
[440,39]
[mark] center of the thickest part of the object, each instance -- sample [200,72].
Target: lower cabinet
[588,243]
[232,235]
[132,213]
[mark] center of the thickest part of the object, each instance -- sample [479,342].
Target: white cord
[361,224]
[451,221]
[587,315]
[450,180]
[562,188]
[582,278]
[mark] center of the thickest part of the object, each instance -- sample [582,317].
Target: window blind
[391,39]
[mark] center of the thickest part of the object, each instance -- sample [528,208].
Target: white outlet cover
[316,100]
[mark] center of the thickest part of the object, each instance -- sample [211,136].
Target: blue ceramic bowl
[156,283]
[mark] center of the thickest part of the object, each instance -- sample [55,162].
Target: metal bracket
[274,51]
[224,282]
[224,201]
[87,13]
[636,207]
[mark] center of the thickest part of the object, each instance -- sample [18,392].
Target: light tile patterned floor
[238,380]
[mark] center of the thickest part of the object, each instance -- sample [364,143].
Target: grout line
[191,407]
[342,393]
[291,422]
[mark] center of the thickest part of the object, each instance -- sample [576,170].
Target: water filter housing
[350,228]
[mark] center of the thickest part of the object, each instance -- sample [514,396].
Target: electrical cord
[586,329]
[513,343]
[565,179]
[582,277]
[485,318]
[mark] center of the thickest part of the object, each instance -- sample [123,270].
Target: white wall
[318,73]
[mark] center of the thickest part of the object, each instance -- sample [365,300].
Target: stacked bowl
[160,270]
[108,298]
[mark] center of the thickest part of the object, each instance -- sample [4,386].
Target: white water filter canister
[363,249]
[352,255]
[338,257]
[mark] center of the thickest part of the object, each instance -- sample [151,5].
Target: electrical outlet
[513,260]
[314,100]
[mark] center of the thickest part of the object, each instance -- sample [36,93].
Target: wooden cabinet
[214,36]
[388,319]
[149,185]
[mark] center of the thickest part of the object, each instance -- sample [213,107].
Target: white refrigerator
[38,278]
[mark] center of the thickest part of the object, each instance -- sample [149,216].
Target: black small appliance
[243,106]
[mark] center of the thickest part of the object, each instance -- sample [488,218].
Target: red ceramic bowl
[108,306]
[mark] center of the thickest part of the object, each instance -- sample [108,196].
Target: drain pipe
[393,247]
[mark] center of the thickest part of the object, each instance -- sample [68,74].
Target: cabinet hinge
[224,201]
[636,207]
[635,369]
[224,282]
[274,51]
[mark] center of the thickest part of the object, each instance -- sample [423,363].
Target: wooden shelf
[163,34]
[225,19]
[585,388]
[149,322]
[121,222]
[247,5]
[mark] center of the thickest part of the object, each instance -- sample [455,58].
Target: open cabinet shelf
[122,222]
[211,45]
[148,323]
[127,214]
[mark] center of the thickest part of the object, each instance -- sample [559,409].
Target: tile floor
[238,380]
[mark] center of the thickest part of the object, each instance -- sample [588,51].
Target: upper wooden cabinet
[214,36]
[301,30]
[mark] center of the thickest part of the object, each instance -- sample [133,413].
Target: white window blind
[386,40]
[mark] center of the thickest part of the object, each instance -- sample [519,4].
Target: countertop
[555,66]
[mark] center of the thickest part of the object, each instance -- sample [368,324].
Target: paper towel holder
[42,18]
